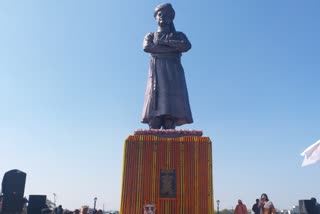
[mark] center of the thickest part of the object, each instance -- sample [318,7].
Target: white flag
[311,154]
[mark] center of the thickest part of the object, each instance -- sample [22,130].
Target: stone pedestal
[169,169]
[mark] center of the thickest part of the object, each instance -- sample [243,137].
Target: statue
[166,101]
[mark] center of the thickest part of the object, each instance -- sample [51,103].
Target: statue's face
[163,18]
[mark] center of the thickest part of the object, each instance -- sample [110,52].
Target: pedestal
[171,170]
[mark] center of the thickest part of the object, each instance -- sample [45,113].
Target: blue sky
[73,77]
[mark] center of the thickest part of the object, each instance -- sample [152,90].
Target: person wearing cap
[241,208]
[166,101]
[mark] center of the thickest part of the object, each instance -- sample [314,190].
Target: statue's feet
[164,121]
[169,123]
[155,123]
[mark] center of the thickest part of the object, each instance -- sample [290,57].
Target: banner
[311,154]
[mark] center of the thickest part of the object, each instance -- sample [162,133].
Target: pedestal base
[170,169]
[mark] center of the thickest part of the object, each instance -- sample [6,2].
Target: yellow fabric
[269,210]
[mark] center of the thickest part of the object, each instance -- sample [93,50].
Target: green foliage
[225,211]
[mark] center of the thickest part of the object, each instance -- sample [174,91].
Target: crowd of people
[60,210]
[261,206]
[265,206]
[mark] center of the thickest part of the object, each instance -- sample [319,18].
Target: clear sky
[73,77]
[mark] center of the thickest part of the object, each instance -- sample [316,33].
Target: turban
[166,6]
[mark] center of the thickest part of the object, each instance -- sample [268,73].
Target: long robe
[166,92]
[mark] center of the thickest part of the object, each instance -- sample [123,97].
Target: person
[265,205]
[58,210]
[166,102]
[76,211]
[24,206]
[315,205]
[84,209]
[255,207]
[241,208]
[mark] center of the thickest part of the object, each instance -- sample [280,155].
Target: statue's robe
[166,92]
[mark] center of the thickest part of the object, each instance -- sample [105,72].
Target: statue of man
[166,101]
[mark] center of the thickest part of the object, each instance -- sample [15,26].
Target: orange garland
[146,155]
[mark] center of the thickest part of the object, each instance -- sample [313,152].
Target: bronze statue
[166,101]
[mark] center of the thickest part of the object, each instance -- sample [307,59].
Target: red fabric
[241,209]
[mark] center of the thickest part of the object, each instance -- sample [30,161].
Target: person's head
[257,200]
[264,197]
[100,212]
[239,201]
[84,209]
[313,200]
[164,15]
[76,211]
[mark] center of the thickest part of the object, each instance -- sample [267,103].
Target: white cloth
[268,205]
[311,154]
